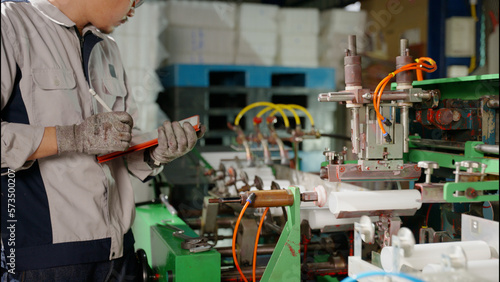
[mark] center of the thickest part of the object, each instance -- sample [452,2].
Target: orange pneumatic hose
[249,201]
[422,64]
[254,263]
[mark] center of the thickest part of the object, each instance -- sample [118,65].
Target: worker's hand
[99,134]
[174,141]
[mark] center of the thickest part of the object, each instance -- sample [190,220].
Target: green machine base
[164,251]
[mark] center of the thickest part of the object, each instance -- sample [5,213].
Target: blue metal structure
[439,11]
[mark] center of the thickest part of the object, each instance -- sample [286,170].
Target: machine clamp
[193,244]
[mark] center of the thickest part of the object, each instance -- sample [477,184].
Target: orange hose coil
[422,64]
[254,263]
[234,240]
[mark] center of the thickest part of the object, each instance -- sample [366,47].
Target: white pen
[100,100]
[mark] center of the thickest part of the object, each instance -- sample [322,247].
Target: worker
[66,217]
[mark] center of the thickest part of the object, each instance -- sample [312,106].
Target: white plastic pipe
[319,218]
[367,201]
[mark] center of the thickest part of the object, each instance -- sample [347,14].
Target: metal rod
[403,46]
[267,153]
[283,153]
[425,95]
[336,136]
[339,96]
[248,153]
[448,145]
[313,269]
[393,119]
[261,250]
[351,41]
[266,249]
[222,222]
[484,148]
[406,129]
[456,146]
[355,130]
[309,196]
[296,154]
[323,97]
[403,79]
[365,125]
[233,275]
[387,96]
[225,200]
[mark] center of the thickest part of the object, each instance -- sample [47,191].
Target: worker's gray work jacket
[67,208]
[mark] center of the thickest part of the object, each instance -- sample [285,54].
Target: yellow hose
[282,106]
[305,112]
[257,104]
[263,111]
[473,12]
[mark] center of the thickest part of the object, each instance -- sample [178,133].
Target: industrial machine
[418,201]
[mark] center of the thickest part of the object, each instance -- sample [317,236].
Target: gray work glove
[99,134]
[174,141]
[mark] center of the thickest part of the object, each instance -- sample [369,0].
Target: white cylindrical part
[319,218]
[484,269]
[366,201]
[321,192]
[431,253]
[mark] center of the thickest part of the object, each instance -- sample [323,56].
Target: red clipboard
[194,120]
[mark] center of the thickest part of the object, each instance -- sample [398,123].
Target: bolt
[471,193]
[429,166]
[470,165]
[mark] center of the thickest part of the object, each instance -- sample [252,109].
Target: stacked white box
[254,59]
[298,21]
[138,38]
[335,27]
[257,17]
[460,37]
[200,32]
[194,40]
[142,53]
[341,21]
[300,50]
[298,30]
[256,42]
[299,45]
[209,14]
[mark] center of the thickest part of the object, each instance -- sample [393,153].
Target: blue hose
[375,273]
